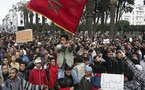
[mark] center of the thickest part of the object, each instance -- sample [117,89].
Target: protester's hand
[123,54]
[45,87]
[125,79]
[67,45]
[72,88]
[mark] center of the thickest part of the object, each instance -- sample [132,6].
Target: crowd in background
[71,62]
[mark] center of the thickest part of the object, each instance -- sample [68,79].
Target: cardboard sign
[24,36]
[112,81]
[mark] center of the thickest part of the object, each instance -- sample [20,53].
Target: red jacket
[53,70]
[38,77]
[64,88]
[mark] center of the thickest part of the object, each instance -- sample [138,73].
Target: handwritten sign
[112,81]
[24,36]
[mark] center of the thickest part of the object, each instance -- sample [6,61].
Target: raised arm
[137,73]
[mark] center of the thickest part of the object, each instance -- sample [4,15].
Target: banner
[64,13]
[24,36]
[112,81]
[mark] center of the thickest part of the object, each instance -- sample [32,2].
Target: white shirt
[142,63]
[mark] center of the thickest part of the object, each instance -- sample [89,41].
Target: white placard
[112,81]
[106,41]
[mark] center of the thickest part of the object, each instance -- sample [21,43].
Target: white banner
[112,81]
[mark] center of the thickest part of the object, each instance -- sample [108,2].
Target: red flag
[64,13]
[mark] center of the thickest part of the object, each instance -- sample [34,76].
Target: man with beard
[68,78]
[23,73]
[5,73]
[110,62]
[16,83]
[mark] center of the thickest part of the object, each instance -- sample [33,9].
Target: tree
[37,21]
[101,10]
[25,12]
[31,18]
[123,6]
[123,25]
[43,22]
[89,15]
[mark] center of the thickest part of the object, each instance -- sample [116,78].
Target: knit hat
[38,60]
[88,69]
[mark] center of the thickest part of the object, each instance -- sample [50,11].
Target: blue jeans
[61,74]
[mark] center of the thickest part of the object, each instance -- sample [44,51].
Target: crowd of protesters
[71,62]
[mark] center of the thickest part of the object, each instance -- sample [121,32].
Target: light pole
[112,17]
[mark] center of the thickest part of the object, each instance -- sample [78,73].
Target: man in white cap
[85,83]
[37,74]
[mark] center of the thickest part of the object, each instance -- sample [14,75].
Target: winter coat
[87,84]
[122,68]
[23,74]
[111,65]
[38,77]
[132,85]
[19,84]
[98,67]
[68,83]
[64,88]
[64,54]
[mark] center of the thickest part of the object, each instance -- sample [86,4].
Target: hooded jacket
[64,89]
[53,70]
[38,77]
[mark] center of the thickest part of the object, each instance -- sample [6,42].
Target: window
[127,18]
[21,22]
[139,18]
[140,8]
[136,13]
[21,14]
[38,19]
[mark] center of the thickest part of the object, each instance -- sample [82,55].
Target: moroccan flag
[64,13]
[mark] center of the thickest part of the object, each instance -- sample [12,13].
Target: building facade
[14,19]
[137,16]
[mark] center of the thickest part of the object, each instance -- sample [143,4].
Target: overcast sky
[6,5]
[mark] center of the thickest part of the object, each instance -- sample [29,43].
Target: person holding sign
[86,81]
